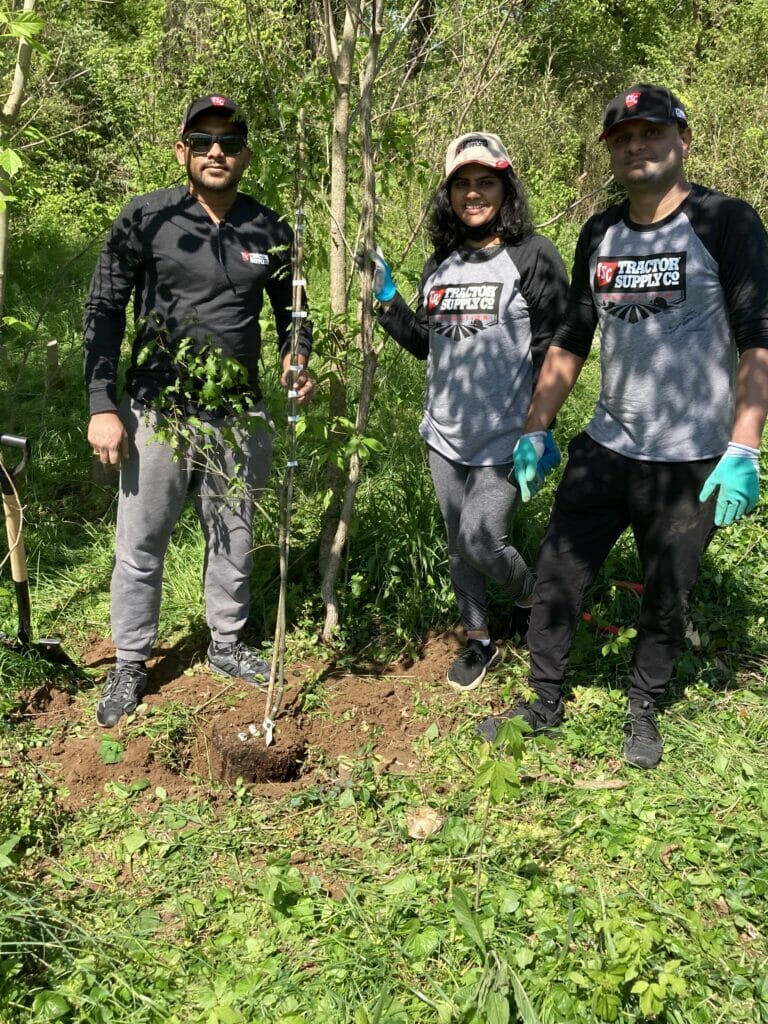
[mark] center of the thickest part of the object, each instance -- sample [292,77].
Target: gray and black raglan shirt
[484,321]
[190,278]
[676,303]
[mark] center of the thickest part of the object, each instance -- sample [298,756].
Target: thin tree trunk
[7,119]
[370,351]
[340,62]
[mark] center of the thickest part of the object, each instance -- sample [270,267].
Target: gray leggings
[153,487]
[478,503]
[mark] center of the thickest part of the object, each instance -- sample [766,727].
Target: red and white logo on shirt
[261,258]
[434,298]
[605,272]
[638,285]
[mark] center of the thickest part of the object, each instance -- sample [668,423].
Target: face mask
[478,232]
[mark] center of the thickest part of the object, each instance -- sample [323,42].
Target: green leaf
[649,1005]
[134,840]
[48,1005]
[147,922]
[228,1015]
[13,321]
[110,751]
[501,778]
[524,1006]
[496,1008]
[23,24]
[347,798]
[467,919]
[524,956]
[605,1005]
[510,737]
[5,848]
[423,943]
[402,883]
[10,161]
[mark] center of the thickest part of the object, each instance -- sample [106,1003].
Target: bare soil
[195,730]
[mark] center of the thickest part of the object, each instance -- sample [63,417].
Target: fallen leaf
[422,822]
[721,907]
[664,855]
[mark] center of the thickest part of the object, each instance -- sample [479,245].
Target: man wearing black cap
[676,277]
[197,259]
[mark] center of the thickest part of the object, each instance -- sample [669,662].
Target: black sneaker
[125,683]
[239,661]
[543,718]
[643,745]
[468,671]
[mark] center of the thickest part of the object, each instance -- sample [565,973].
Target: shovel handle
[7,476]
[11,507]
[16,550]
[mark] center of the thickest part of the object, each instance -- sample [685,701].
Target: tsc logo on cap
[632,98]
[218,101]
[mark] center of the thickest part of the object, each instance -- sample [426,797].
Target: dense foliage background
[109,80]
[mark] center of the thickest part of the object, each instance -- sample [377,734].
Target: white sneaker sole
[466,687]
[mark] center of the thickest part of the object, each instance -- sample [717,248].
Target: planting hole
[238,750]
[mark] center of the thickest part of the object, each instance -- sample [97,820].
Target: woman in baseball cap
[491,296]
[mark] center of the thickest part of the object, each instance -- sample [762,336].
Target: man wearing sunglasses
[197,260]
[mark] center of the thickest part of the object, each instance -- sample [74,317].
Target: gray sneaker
[125,683]
[643,745]
[239,661]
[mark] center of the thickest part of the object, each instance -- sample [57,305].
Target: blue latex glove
[535,456]
[736,478]
[383,285]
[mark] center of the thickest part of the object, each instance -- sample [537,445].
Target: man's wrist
[737,450]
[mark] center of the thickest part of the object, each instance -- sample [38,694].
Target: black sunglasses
[202,142]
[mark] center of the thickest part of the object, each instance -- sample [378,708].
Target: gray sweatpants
[153,487]
[478,503]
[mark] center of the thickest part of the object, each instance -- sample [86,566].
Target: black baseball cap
[214,104]
[646,103]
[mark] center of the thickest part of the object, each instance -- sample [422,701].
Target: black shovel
[47,647]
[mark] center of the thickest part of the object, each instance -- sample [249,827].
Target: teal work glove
[551,458]
[535,456]
[383,285]
[736,478]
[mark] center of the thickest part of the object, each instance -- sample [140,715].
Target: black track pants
[600,495]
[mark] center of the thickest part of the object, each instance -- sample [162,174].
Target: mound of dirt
[195,730]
